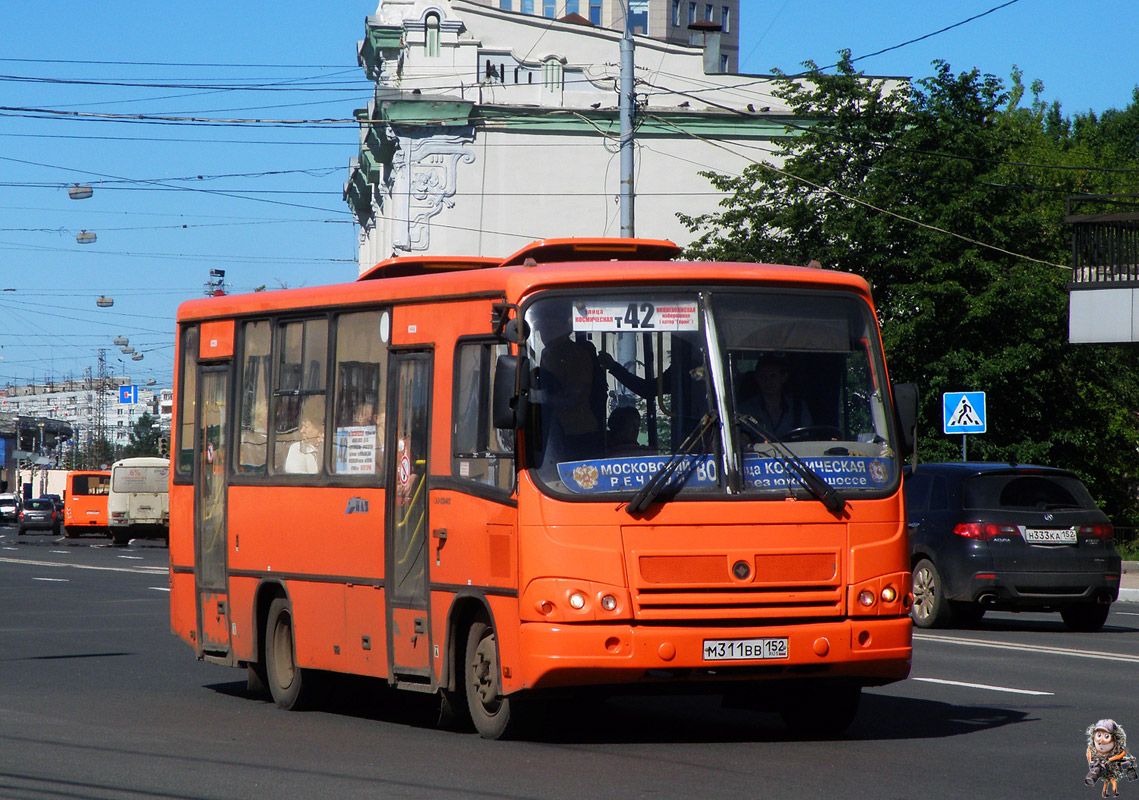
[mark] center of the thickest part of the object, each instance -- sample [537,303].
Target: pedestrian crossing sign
[964,412]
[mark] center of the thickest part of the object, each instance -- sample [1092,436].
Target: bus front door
[409,638]
[210,515]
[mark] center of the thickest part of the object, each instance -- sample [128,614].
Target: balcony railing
[1105,245]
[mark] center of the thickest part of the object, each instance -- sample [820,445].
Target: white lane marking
[983,686]
[160,588]
[146,570]
[132,558]
[64,552]
[1030,648]
[53,580]
[1125,613]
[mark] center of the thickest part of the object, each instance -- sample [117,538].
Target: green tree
[144,437]
[948,197]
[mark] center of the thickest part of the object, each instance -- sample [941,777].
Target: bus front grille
[737,602]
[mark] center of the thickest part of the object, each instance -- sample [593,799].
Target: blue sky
[262,202]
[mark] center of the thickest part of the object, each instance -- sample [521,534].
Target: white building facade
[78,405]
[667,20]
[490,129]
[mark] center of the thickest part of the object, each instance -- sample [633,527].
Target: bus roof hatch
[588,249]
[402,266]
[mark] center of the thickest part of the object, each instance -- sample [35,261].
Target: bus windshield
[737,383]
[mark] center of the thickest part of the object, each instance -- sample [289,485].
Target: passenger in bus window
[305,455]
[770,402]
[624,430]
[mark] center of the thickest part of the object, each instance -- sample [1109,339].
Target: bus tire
[288,683]
[121,537]
[490,711]
[70,532]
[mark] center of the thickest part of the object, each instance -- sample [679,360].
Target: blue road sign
[128,394]
[964,412]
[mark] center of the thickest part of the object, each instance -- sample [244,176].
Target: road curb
[1129,582]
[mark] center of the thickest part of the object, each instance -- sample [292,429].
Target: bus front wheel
[288,683]
[490,710]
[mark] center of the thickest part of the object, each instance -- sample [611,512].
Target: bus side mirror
[510,405]
[516,331]
[906,408]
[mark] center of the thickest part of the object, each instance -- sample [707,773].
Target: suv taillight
[1102,530]
[983,531]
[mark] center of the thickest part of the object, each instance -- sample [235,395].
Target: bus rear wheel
[288,683]
[490,711]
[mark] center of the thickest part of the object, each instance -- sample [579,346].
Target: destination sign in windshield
[621,474]
[637,315]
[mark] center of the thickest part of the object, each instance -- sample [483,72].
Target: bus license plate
[744,649]
[1050,535]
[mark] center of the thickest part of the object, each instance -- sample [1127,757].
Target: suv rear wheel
[930,606]
[1086,616]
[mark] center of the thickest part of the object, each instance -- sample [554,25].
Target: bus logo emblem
[357,505]
[586,476]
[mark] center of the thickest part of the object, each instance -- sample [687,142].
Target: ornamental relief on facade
[425,179]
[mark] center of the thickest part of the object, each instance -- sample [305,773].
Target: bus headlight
[571,600]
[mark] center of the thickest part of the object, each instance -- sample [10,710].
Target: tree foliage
[948,196]
[144,437]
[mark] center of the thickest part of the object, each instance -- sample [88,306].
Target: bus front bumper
[870,651]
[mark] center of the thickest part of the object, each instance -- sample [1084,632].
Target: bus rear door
[409,639]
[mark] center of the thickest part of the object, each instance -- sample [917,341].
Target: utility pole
[627,107]
[100,410]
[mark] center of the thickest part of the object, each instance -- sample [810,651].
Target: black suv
[1010,537]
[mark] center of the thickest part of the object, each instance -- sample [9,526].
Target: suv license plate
[1050,535]
[744,649]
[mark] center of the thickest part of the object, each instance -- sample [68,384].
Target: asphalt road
[99,700]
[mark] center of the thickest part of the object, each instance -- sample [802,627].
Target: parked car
[9,507]
[1011,537]
[39,514]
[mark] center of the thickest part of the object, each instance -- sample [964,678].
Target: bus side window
[479,451]
[299,419]
[254,412]
[184,457]
[359,415]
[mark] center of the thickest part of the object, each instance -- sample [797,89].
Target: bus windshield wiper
[664,477]
[822,491]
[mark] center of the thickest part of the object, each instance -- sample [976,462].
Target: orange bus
[565,470]
[85,502]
